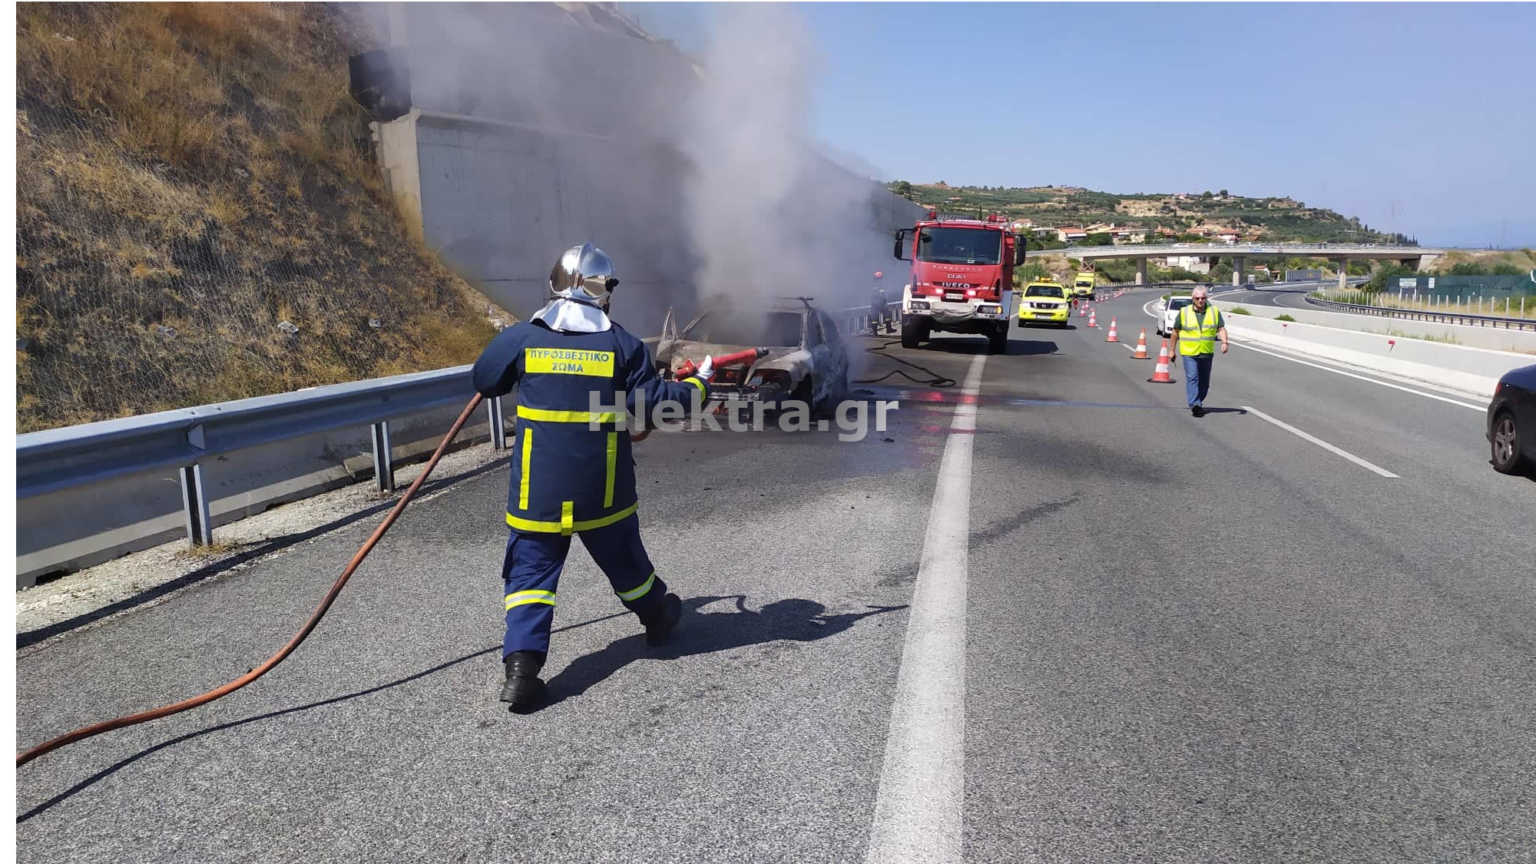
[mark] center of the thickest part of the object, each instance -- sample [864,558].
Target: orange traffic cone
[1163,374]
[1093,318]
[1141,346]
[1114,335]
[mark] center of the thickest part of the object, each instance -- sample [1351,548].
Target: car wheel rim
[1504,440]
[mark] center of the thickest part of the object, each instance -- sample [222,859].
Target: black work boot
[659,628]
[523,688]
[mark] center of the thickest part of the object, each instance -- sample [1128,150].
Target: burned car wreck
[807,358]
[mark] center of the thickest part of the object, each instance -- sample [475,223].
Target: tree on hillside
[904,189]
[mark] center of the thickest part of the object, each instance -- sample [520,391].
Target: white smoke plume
[700,182]
[771,216]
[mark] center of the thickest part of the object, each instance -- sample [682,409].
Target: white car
[1168,312]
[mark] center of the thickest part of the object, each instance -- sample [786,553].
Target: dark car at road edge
[1511,429]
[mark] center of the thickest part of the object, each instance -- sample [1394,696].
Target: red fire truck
[962,278]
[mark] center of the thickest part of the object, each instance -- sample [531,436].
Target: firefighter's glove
[706,369]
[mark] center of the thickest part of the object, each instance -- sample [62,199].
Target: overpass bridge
[1417,256]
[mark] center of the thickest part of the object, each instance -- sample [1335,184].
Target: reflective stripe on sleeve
[703,391]
[523,598]
[522,484]
[613,460]
[636,593]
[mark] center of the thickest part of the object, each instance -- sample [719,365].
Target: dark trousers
[1197,378]
[530,574]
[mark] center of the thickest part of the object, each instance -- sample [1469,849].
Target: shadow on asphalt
[123,763]
[699,632]
[1210,411]
[32,637]
[1030,347]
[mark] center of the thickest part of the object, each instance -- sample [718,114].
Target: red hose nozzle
[747,356]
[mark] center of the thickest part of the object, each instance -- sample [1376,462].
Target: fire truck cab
[962,278]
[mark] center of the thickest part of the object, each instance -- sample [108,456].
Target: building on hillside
[1070,233]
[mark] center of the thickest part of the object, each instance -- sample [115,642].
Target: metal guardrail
[1466,318]
[184,438]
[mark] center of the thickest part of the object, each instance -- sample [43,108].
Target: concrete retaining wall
[1473,371]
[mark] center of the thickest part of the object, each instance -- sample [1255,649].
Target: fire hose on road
[330,597]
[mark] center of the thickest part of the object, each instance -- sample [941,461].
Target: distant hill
[1187,216]
[200,218]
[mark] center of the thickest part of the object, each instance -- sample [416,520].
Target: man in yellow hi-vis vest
[1195,331]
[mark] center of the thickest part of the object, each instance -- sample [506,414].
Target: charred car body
[807,358]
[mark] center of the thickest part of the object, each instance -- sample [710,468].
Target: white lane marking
[1369,466]
[919,815]
[1478,408]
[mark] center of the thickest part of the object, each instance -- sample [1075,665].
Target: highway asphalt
[1183,639]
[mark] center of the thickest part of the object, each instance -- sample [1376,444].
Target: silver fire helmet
[584,273]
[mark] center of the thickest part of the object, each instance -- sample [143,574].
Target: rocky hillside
[200,217]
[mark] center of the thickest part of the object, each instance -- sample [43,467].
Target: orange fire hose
[314,619]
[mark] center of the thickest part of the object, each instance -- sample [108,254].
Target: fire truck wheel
[997,342]
[912,332]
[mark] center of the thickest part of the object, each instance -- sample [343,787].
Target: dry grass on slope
[190,176]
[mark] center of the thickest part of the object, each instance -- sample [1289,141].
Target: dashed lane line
[919,810]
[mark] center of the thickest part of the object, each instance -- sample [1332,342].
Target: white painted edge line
[1336,371]
[1369,466]
[919,809]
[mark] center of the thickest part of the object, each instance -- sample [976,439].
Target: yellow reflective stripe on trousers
[613,460]
[567,514]
[637,593]
[539,527]
[522,485]
[523,598]
[549,416]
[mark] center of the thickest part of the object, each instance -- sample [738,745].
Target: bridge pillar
[1239,271]
[1423,262]
[1343,274]
[1141,270]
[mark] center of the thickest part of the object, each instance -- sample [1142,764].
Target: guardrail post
[383,460]
[195,504]
[498,430]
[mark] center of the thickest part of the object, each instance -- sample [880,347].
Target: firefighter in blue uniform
[572,472]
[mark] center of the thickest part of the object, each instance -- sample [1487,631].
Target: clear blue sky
[1419,118]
